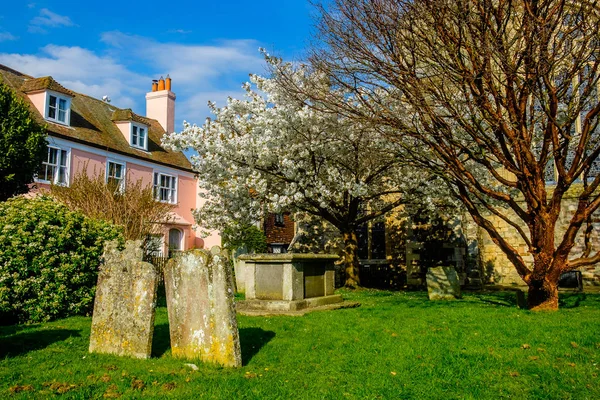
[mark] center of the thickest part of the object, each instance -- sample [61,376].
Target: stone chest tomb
[288,282]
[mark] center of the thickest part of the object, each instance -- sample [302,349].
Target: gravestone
[200,301]
[123,319]
[443,283]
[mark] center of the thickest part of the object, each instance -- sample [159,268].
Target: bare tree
[129,204]
[503,96]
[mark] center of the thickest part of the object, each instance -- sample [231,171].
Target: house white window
[55,168]
[139,137]
[165,188]
[115,175]
[59,109]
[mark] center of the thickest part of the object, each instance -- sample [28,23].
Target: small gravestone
[202,320]
[123,319]
[443,283]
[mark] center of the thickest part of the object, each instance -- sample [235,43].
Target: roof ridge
[14,71]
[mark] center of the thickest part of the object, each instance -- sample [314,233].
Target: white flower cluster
[272,152]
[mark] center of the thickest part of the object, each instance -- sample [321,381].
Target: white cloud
[48,19]
[200,72]
[195,64]
[6,36]
[82,71]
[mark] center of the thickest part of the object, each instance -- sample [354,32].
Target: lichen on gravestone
[125,302]
[200,302]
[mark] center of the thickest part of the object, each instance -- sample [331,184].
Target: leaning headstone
[200,301]
[123,319]
[443,283]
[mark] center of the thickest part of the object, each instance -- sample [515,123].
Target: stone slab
[283,305]
[200,302]
[443,283]
[270,277]
[123,318]
[298,313]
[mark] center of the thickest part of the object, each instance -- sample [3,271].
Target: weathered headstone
[200,301]
[442,283]
[123,319]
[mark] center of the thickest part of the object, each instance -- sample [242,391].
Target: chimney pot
[161,84]
[168,82]
[154,85]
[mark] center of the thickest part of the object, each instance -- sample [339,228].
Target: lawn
[396,345]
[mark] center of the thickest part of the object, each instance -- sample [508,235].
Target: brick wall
[277,232]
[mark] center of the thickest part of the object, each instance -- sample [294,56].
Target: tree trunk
[351,260]
[543,294]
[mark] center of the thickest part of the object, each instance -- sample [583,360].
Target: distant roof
[93,121]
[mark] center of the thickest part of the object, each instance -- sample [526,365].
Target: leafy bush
[22,144]
[49,258]
[248,236]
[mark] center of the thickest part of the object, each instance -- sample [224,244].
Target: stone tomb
[443,283]
[123,319]
[288,282]
[200,302]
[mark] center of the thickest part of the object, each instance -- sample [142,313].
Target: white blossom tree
[272,152]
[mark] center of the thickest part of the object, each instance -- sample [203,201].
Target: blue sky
[116,48]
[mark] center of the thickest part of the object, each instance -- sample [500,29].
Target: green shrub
[245,236]
[49,259]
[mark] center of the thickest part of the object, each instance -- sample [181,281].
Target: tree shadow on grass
[252,340]
[506,298]
[570,300]
[24,342]
[161,341]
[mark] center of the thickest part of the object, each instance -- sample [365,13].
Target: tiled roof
[92,122]
[128,115]
[47,82]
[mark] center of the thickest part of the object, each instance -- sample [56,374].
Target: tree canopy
[22,144]
[503,95]
[273,152]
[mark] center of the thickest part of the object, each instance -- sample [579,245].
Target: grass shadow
[161,340]
[24,342]
[501,298]
[571,300]
[252,340]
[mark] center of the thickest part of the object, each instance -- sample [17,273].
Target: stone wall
[498,269]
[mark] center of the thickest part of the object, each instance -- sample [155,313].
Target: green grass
[396,345]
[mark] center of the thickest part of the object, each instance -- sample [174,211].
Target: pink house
[87,134]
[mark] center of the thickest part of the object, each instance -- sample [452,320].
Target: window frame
[137,127]
[67,166]
[123,164]
[67,110]
[157,187]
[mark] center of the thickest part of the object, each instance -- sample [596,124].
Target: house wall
[125,128]
[213,239]
[93,161]
[38,100]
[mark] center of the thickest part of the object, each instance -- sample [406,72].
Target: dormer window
[58,109]
[139,137]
